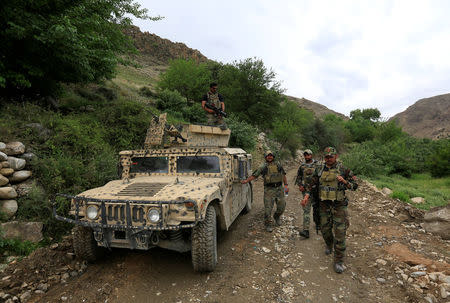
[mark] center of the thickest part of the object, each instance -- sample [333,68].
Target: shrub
[146,92]
[439,163]
[400,195]
[243,135]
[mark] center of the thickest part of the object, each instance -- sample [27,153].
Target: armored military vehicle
[175,193]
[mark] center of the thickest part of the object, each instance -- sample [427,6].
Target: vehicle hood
[159,188]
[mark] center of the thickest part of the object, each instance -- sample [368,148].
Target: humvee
[175,194]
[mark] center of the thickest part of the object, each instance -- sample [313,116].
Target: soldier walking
[274,177]
[332,180]
[303,180]
[212,97]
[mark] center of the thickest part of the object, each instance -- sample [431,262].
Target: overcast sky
[342,54]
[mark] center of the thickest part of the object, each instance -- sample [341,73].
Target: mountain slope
[427,118]
[319,110]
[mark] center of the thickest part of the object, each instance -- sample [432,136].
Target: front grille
[117,213]
[142,189]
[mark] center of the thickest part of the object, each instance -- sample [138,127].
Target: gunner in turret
[213,105]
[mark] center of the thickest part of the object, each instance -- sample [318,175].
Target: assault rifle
[217,111]
[316,213]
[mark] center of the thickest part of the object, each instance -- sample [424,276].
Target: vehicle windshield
[198,164]
[149,165]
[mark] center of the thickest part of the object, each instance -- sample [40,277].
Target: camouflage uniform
[304,177]
[214,99]
[333,205]
[273,191]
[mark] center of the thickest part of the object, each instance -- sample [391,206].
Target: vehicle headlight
[153,215]
[92,212]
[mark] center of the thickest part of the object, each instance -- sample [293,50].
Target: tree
[189,78]
[251,91]
[48,42]
[371,114]
[289,124]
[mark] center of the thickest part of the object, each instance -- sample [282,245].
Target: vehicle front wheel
[204,242]
[84,245]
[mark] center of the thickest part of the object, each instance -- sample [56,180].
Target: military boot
[339,267]
[328,250]
[277,220]
[269,228]
[305,233]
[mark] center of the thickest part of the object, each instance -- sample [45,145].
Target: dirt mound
[427,118]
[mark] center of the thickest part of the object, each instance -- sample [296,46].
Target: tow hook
[98,235]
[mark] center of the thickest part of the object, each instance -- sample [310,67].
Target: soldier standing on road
[303,180]
[274,177]
[212,97]
[332,180]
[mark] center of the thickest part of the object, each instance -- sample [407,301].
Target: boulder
[386,191]
[6,171]
[3,156]
[20,176]
[2,147]
[42,132]
[30,231]
[418,200]
[14,148]
[16,163]
[7,193]
[23,188]
[8,207]
[441,213]
[28,157]
[437,221]
[3,180]
[5,164]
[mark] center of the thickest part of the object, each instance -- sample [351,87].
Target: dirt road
[256,266]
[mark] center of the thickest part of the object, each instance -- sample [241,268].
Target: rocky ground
[390,258]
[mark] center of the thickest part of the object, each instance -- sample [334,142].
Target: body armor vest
[213,99]
[273,174]
[308,170]
[328,189]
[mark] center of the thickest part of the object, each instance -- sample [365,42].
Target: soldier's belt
[327,188]
[273,184]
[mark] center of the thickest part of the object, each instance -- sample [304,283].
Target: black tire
[248,205]
[204,242]
[84,245]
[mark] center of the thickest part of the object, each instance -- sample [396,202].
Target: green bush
[189,78]
[243,135]
[401,196]
[439,162]
[171,100]
[16,247]
[146,92]
[362,160]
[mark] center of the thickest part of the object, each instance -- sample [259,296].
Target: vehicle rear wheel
[204,242]
[249,197]
[84,244]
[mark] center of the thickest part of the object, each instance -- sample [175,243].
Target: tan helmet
[268,152]
[307,151]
